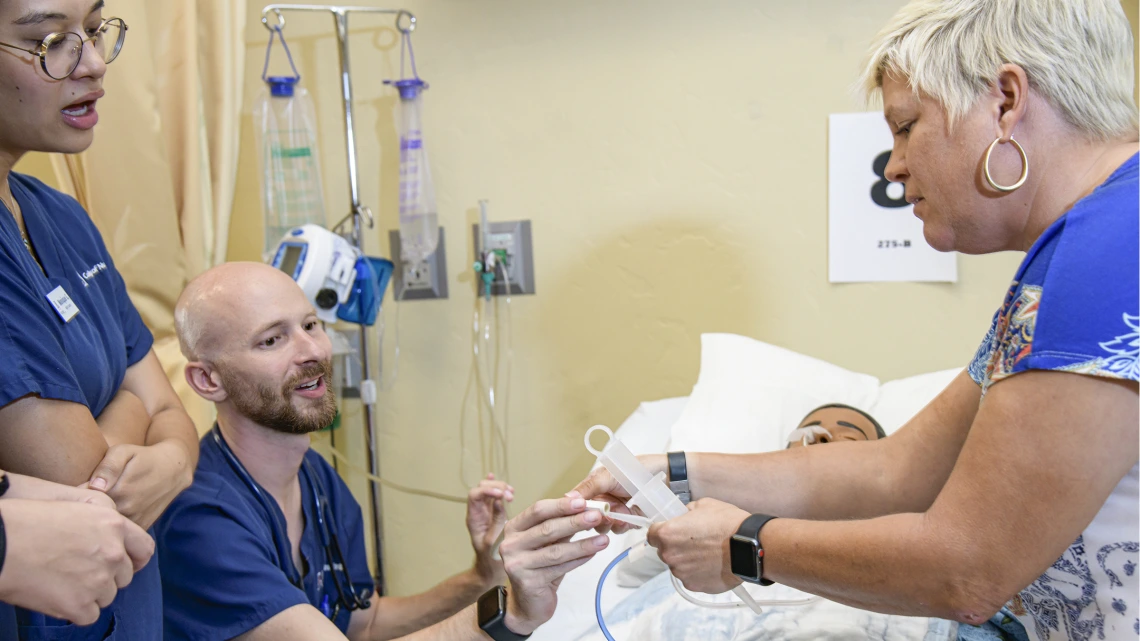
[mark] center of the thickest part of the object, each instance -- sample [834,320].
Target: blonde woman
[1014,130]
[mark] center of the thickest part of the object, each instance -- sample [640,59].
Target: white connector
[606,510]
[601,506]
[368,391]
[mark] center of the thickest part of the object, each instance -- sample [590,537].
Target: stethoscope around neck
[348,596]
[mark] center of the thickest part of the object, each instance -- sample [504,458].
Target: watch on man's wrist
[679,476]
[3,544]
[492,614]
[746,554]
[5,483]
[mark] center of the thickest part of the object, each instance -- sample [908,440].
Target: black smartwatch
[493,615]
[4,483]
[3,544]
[679,477]
[745,552]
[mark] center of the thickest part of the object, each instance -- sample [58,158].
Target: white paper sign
[873,233]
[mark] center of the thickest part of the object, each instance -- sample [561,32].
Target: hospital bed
[748,397]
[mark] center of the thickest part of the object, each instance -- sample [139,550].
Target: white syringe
[650,494]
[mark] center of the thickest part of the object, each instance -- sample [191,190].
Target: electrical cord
[395,486]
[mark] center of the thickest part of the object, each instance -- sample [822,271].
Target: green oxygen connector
[488,277]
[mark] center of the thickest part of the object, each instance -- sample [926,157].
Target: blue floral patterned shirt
[1074,306]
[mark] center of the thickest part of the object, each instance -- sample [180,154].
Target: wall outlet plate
[346,367]
[512,239]
[419,281]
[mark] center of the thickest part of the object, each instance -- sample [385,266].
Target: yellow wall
[673,160]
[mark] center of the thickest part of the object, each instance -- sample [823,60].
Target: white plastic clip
[632,519]
[368,392]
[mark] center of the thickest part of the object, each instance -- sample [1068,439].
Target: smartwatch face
[492,608]
[745,562]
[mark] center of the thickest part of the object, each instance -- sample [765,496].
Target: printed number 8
[879,189]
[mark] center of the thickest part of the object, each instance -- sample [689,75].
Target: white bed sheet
[655,612]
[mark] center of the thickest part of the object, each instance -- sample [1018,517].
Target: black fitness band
[5,483]
[3,543]
[679,476]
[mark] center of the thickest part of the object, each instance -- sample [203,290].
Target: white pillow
[750,395]
[647,430]
[901,399]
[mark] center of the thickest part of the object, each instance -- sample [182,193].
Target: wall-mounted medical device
[337,278]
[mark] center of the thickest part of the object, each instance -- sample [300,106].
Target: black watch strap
[3,544]
[679,476]
[492,613]
[751,527]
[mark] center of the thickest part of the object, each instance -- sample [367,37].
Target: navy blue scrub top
[82,361]
[221,573]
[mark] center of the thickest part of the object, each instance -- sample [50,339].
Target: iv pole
[359,213]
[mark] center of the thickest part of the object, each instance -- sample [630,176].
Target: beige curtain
[159,179]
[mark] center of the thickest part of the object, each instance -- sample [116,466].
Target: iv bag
[419,220]
[285,125]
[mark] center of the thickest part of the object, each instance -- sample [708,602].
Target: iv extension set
[652,497]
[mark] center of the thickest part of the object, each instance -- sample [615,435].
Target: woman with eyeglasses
[83,399]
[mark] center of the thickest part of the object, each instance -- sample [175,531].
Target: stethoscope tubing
[330,542]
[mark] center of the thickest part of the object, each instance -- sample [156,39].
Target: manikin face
[832,425]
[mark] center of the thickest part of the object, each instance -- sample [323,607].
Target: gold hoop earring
[1024,166]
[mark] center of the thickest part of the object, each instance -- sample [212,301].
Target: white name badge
[63,304]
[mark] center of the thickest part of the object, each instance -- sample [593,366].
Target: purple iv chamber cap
[409,88]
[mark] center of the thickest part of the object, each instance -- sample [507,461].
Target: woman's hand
[695,545]
[600,485]
[486,518]
[30,487]
[538,552]
[144,479]
[68,559]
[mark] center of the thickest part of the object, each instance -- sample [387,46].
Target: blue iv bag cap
[409,88]
[281,86]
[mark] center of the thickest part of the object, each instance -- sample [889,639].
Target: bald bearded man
[268,542]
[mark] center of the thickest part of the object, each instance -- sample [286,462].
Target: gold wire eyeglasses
[60,53]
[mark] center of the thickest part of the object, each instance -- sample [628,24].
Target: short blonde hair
[1076,53]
